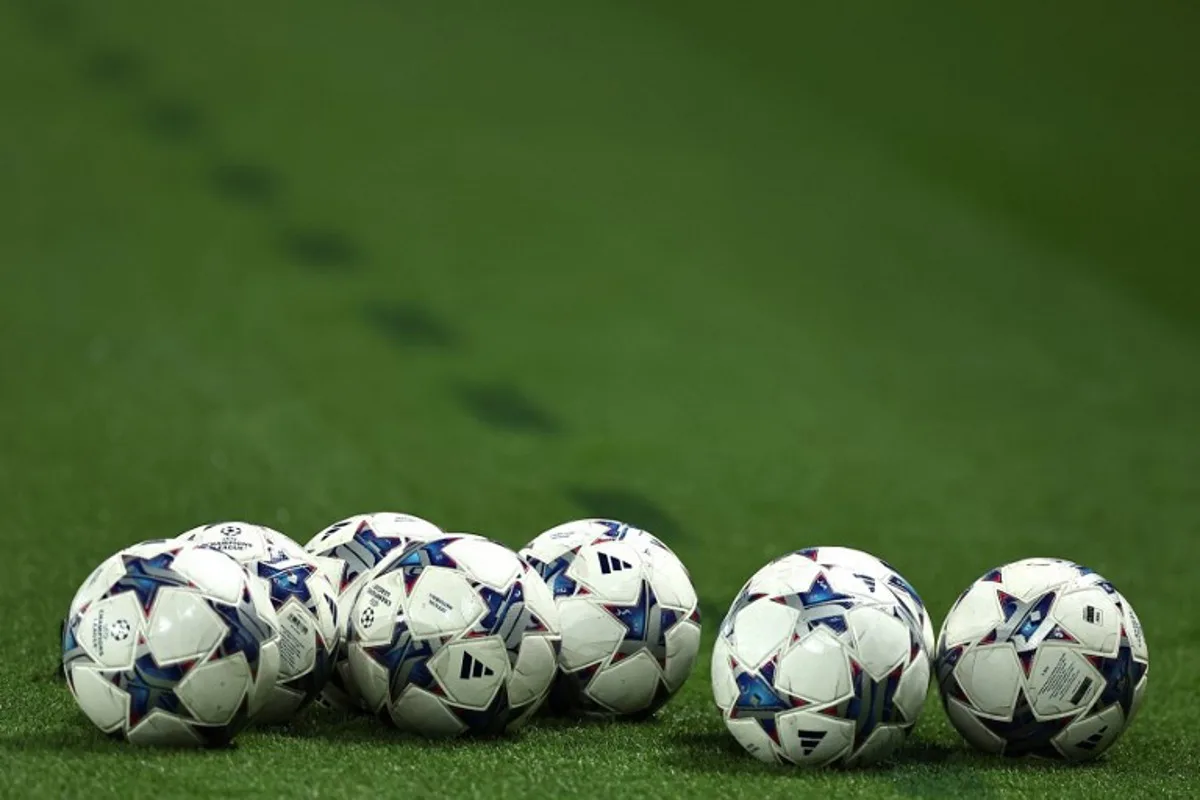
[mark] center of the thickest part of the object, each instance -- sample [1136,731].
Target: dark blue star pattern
[873,703]
[405,658]
[499,604]
[947,659]
[554,573]
[1025,734]
[286,582]
[245,630]
[375,545]
[897,582]
[820,604]
[413,561]
[993,577]
[635,617]
[1008,605]
[1035,617]
[821,593]
[758,700]
[150,686]
[613,528]
[145,576]
[1122,674]
[490,721]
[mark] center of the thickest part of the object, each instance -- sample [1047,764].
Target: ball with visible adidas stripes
[346,551]
[303,599]
[815,666]
[170,644]
[630,620]
[451,636]
[1042,657]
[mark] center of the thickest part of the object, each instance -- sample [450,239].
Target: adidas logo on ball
[809,740]
[473,668]
[609,564]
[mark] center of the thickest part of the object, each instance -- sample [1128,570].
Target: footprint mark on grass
[173,120]
[322,249]
[504,406]
[246,183]
[411,325]
[114,67]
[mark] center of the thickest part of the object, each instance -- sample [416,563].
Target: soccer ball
[1042,657]
[877,573]
[630,621]
[170,644]
[813,667]
[303,599]
[346,551]
[454,635]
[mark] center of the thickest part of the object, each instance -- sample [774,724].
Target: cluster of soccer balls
[825,658]
[185,641]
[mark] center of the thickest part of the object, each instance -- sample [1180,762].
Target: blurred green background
[916,279]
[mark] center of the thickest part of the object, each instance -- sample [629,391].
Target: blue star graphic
[287,581]
[245,631]
[613,528]
[820,604]
[635,617]
[554,573]
[145,576]
[499,605]
[405,658]
[758,700]
[1024,734]
[1035,616]
[490,721]
[150,686]
[873,703]
[377,546]
[1122,674]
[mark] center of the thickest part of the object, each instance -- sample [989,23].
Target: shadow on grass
[411,324]
[82,740]
[504,406]
[628,506]
[322,249]
[920,767]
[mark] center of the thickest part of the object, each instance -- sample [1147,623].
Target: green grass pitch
[919,280]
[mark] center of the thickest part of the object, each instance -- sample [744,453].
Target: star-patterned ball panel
[168,643]
[1042,657]
[453,635]
[631,625]
[811,667]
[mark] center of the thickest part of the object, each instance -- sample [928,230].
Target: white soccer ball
[304,601]
[1042,657]
[347,550]
[171,644]
[630,620]
[455,635]
[812,666]
[878,574]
